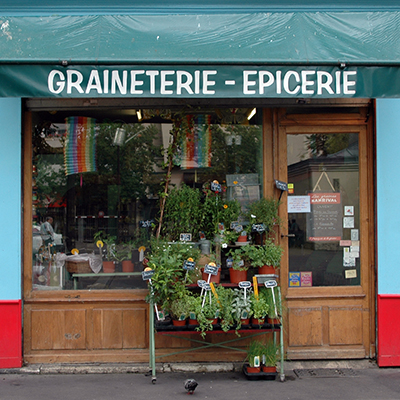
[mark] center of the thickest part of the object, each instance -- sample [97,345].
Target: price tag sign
[211,269]
[146,275]
[245,285]
[260,228]
[189,265]
[270,284]
[145,224]
[185,237]
[216,187]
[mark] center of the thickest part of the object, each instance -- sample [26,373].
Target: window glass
[98,184]
[323,209]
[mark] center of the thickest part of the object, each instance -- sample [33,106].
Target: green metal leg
[152,354]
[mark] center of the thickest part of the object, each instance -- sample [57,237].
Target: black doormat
[325,373]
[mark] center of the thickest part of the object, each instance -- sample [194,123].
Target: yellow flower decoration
[225,206]
[75,251]
[235,182]
[99,244]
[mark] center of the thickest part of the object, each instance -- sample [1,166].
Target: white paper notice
[349,210]
[351,273]
[348,222]
[354,234]
[298,204]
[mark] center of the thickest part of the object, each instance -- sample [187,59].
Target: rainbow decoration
[196,147]
[80,145]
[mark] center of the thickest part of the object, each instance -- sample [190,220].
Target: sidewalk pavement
[319,380]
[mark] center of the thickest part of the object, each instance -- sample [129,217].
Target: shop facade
[287,97]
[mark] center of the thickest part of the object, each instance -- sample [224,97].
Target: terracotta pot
[253,370]
[237,276]
[108,266]
[245,321]
[214,321]
[177,322]
[267,269]
[268,369]
[242,238]
[128,266]
[193,322]
[214,278]
[258,321]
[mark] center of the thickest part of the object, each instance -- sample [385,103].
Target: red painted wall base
[10,334]
[388,330]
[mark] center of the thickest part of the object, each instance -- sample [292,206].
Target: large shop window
[99,182]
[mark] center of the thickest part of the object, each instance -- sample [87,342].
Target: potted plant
[124,253]
[237,265]
[241,308]
[207,314]
[179,309]
[266,257]
[274,305]
[225,298]
[263,212]
[253,357]
[269,359]
[108,251]
[259,307]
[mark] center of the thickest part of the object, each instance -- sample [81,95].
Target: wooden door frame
[277,124]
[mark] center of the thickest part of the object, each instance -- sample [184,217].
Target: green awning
[296,38]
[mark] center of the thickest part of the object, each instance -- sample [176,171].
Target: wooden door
[327,273]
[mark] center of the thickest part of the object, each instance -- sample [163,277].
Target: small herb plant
[241,307]
[259,305]
[267,254]
[264,211]
[238,256]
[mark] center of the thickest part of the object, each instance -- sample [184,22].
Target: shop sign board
[197,81]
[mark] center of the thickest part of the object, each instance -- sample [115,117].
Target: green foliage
[109,250]
[238,255]
[268,254]
[255,349]
[269,352]
[225,297]
[168,281]
[241,307]
[259,306]
[179,308]
[183,213]
[206,313]
[264,211]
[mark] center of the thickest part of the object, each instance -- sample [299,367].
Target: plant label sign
[206,286]
[259,228]
[201,283]
[245,285]
[189,265]
[185,237]
[229,262]
[145,224]
[281,185]
[270,284]
[146,275]
[216,187]
[211,269]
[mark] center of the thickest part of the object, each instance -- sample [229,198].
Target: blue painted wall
[10,199]
[388,194]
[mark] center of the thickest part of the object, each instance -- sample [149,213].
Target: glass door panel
[323,209]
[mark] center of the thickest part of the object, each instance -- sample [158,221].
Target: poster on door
[324,222]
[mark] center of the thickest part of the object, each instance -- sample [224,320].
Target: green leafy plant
[264,211]
[225,297]
[238,258]
[267,254]
[241,307]
[206,314]
[259,305]
[179,308]
[108,252]
[184,205]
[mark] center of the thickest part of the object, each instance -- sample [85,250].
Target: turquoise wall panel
[10,199]
[388,195]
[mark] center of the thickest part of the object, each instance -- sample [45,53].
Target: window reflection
[100,180]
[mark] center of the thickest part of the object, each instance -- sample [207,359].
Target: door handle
[288,235]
